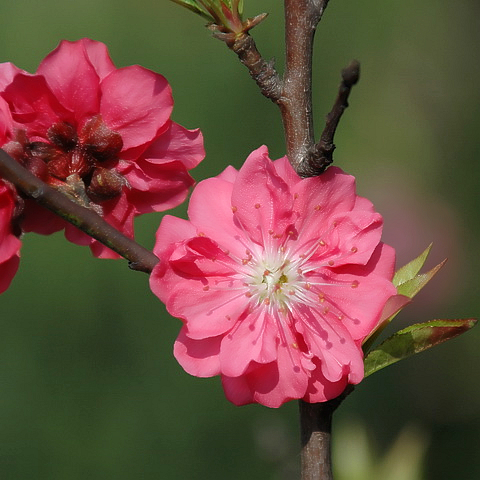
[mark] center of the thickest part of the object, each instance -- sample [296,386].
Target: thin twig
[86,220]
[321,156]
[261,71]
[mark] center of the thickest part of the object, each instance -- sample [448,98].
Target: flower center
[274,282]
[79,164]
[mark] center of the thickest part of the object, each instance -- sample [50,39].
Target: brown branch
[321,155]
[301,20]
[88,221]
[293,93]
[261,71]
[315,436]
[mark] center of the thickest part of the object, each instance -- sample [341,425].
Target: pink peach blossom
[277,280]
[101,134]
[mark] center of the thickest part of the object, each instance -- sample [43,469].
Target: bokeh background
[88,384]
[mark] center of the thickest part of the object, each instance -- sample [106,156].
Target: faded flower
[101,135]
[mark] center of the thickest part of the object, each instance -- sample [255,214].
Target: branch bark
[315,435]
[293,92]
[88,221]
[301,20]
[321,155]
[261,71]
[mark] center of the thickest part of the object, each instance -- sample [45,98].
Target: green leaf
[411,287]
[414,339]
[194,7]
[408,282]
[408,271]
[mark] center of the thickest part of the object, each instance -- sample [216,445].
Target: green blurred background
[88,384]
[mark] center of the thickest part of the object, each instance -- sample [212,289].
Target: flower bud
[105,185]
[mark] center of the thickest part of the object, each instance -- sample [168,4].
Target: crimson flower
[101,135]
[277,279]
[9,242]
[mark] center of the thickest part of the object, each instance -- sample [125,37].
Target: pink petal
[201,258]
[360,300]
[99,57]
[284,170]
[8,269]
[317,199]
[9,243]
[288,382]
[177,144]
[351,238]
[209,313]
[7,73]
[157,188]
[292,383]
[321,390]
[198,357]
[33,105]
[328,339]
[383,260]
[229,175]
[73,79]
[6,122]
[261,199]
[40,220]
[171,231]
[237,389]
[253,340]
[136,103]
[271,385]
[210,210]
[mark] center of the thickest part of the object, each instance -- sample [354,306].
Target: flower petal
[135,103]
[33,105]
[253,339]
[73,78]
[156,188]
[7,73]
[362,293]
[210,206]
[177,144]
[198,357]
[320,389]
[261,199]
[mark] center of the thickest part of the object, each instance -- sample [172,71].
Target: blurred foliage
[356,456]
[89,385]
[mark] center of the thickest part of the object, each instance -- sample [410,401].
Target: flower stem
[315,434]
[86,220]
